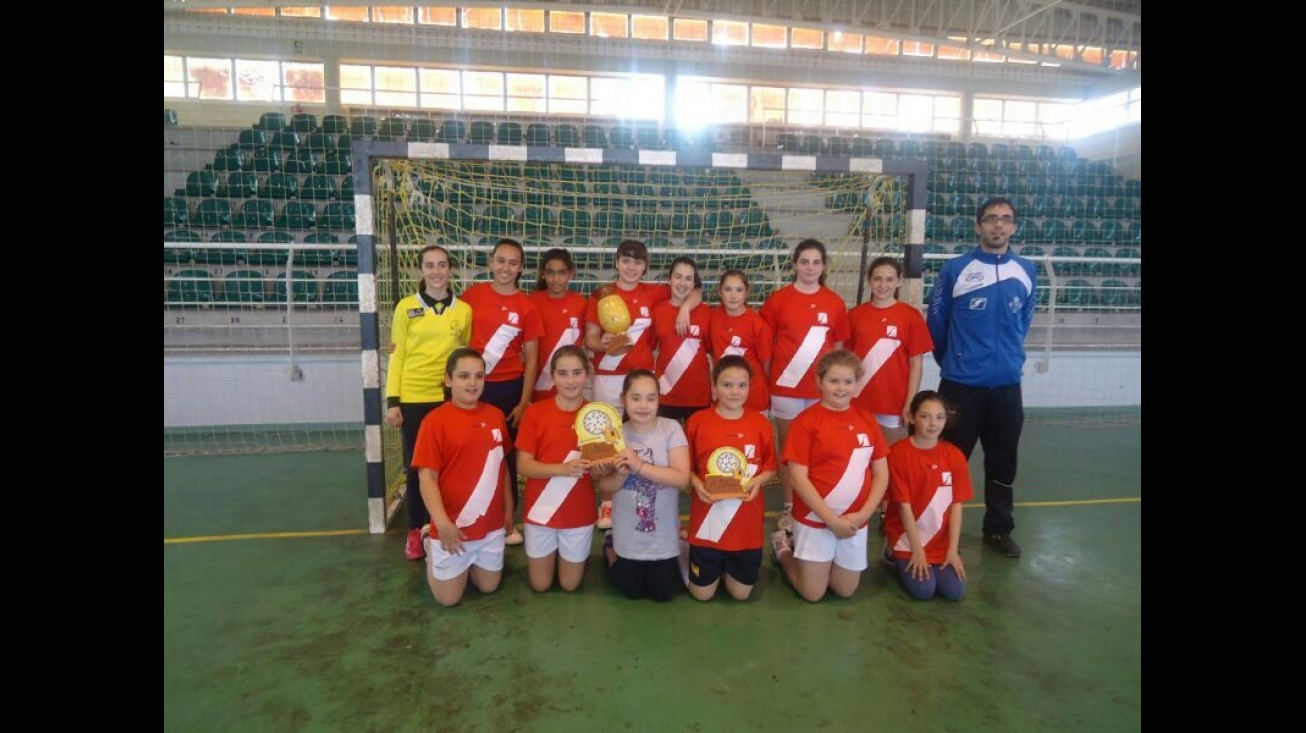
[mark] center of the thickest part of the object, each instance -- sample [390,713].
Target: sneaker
[786,519]
[415,549]
[1003,543]
[605,516]
[514,538]
[781,541]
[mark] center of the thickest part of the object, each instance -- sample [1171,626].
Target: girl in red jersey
[562,314]
[838,460]
[559,510]
[739,330]
[809,320]
[725,535]
[610,370]
[929,480]
[890,338]
[506,329]
[459,456]
[683,384]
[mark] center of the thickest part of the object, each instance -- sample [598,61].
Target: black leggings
[413,413]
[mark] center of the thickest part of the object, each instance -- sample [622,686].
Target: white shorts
[607,388]
[486,554]
[572,545]
[818,544]
[787,408]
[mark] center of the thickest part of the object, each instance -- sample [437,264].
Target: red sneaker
[415,549]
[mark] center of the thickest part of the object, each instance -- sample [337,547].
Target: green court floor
[330,630]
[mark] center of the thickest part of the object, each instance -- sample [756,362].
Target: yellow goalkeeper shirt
[423,340]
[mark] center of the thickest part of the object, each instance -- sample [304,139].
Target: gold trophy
[614,317]
[726,467]
[598,432]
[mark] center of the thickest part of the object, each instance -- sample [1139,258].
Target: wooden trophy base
[597,452]
[724,487]
[619,345]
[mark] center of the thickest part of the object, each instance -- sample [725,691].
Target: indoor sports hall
[310,152]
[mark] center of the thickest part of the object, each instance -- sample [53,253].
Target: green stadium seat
[391,129]
[509,133]
[936,228]
[296,215]
[537,133]
[180,255]
[243,286]
[190,289]
[1053,230]
[175,212]
[1083,230]
[230,159]
[861,147]
[910,149]
[453,131]
[721,222]
[337,215]
[595,136]
[458,219]
[497,219]
[319,141]
[573,220]
[303,122]
[572,195]
[363,126]
[284,140]
[1115,293]
[422,130]
[211,256]
[647,138]
[255,214]
[303,288]
[566,136]
[646,223]
[279,186]
[1129,269]
[622,136]
[1077,294]
[341,289]
[213,213]
[336,163]
[318,187]
[201,183]
[239,185]
[686,223]
[610,220]
[537,220]
[481,132]
[1099,268]
[788,142]
[169,117]
[302,161]
[1066,269]
[754,223]
[253,139]
[271,121]
[933,265]
[335,124]
[312,257]
[268,160]
[961,229]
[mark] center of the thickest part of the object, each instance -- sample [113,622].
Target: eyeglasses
[991,219]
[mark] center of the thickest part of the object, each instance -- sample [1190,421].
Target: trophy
[726,467]
[598,432]
[614,317]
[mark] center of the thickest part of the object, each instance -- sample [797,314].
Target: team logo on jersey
[735,341]
[822,318]
[974,277]
[750,450]
[416,312]
[695,331]
[498,436]
[573,323]
[979,304]
[863,440]
[1015,304]
[512,318]
[891,331]
[643,311]
[947,478]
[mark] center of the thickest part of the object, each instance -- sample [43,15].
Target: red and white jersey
[806,327]
[640,302]
[729,524]
[563,320]
[886,339]
[684,376]
[931,480]
[501,325]
[837,446]
[560,502]
[749,336]
[467,448]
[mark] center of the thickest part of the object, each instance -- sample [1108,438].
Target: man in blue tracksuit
[979,315]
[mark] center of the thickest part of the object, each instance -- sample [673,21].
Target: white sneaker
[781,541]
[605,516]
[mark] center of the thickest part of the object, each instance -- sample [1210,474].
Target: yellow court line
[261,536]
[769,515]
